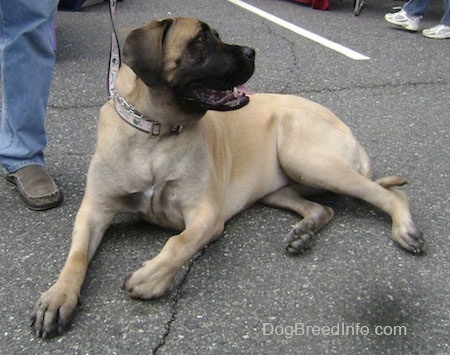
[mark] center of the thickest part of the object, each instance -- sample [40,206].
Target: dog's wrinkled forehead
[182,32]
[149,49]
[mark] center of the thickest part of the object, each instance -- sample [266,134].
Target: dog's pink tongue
[244,90]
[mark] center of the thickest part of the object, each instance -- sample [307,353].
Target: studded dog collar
[132,116]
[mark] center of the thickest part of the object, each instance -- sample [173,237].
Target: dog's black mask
[212,74]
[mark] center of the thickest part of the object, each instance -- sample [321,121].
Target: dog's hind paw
[410,238]
[298,240]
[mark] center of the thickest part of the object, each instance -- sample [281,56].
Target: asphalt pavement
[352,292]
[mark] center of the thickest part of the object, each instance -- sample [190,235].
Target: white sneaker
[402,19]
[440,32]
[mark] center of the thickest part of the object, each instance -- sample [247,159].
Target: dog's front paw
[408,237]
[53,312]
[150,281]
[298,240]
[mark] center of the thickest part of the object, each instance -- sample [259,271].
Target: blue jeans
[27,60]
[419,8]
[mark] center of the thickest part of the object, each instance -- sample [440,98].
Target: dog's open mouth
[221,100]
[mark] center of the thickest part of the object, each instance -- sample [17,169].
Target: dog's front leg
[55,307]
[155,276]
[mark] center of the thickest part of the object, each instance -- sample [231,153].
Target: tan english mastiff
[183,146]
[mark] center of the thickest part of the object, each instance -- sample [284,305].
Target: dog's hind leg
[315,216]
[331,172]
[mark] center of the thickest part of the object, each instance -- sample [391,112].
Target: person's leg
[445,20]
[27,62]
[416,7]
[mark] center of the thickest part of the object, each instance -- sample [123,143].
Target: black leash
[114,58]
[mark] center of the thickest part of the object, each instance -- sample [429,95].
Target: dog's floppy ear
[143,51]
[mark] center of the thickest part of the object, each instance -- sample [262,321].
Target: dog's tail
[391,181]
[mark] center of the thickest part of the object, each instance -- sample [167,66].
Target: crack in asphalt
[178,295]
[376,86]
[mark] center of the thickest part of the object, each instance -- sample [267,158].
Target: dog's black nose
[248,53]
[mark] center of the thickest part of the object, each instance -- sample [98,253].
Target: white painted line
[301,31]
